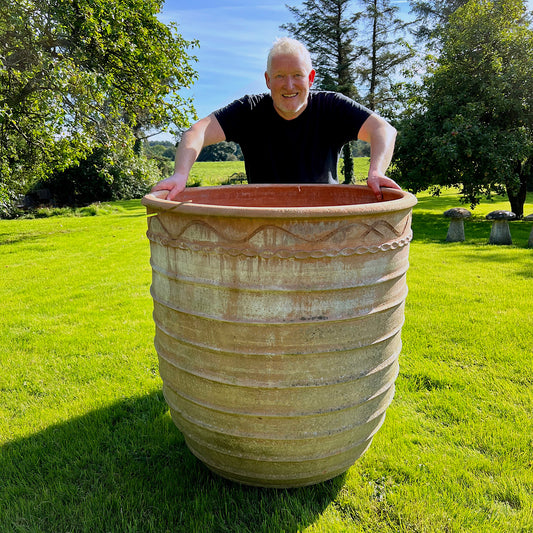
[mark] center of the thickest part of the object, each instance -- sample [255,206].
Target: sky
[235,37]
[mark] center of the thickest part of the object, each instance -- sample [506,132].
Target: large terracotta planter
[278,313]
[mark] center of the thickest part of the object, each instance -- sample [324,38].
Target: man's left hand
[376,181]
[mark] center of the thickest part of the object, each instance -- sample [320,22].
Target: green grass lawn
[87,443]
[215,173]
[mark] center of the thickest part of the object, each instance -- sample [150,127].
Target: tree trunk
[348,163]
[373,76]
[517,195]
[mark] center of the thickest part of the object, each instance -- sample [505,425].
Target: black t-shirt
[303,150]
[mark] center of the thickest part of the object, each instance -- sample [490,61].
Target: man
[291,135]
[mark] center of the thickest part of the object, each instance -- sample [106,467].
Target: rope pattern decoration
[223,244]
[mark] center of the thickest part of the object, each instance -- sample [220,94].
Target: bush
[360,149]
[98,179]
[135,181]
[222,151]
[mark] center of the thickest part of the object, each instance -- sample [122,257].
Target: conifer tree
[384,51]
[433,15]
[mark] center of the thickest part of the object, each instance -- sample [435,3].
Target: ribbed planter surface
[278,313]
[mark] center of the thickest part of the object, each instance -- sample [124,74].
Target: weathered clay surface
[278,313]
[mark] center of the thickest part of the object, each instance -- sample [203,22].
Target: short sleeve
[350,116]
[236,118]
[230,118]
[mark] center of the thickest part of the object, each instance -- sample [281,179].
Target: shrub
[98,179]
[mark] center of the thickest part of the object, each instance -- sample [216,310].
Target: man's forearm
[382,149]
[205,132]
[381,136]
[187,152]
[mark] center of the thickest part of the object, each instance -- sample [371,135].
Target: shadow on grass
[7,238]
[126,468]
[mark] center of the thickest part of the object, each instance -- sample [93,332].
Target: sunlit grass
[87,443]
[216,173]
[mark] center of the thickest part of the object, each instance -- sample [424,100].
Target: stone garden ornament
[456,231]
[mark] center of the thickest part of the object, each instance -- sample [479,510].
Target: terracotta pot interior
[284,196]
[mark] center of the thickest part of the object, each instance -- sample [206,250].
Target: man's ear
[267,79]
[311,77]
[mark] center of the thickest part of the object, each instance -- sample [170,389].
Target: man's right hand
[175,184]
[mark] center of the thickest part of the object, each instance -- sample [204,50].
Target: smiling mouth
[292,95]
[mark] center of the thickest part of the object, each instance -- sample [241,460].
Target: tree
[83,74]
[384,52]
[222,151]
[471,123]
[328,28]
[433,16]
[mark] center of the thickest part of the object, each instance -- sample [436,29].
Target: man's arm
[381,136]
[203,133]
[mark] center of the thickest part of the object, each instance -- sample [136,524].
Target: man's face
[289,81]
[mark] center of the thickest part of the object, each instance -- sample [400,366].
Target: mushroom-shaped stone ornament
[500,232]
[530,241]
[456,231]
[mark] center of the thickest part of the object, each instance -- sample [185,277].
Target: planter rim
[393,200]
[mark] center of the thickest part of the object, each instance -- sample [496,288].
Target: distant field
[214,172]
[217,172]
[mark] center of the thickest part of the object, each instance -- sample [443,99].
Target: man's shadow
[126,468]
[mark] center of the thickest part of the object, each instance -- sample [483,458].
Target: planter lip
[394,200]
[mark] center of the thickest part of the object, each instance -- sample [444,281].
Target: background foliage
[80,75]
[84,76]
[470,122]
